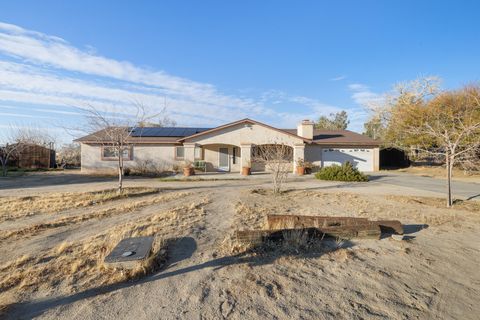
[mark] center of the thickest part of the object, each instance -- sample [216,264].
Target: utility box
[130,252]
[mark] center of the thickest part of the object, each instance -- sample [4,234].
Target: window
[111,153]
[179,152]
[234,155]
[198,153]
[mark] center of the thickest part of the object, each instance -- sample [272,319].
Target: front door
[223,159]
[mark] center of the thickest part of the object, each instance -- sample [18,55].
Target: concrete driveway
[467,190]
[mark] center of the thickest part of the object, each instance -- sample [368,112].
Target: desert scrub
[77,266]
[345,172]
[34,229]
[17,207]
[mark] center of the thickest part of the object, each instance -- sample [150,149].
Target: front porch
[231,147]
[228,158]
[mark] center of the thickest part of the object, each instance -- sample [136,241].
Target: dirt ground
[439,172]
[52,262]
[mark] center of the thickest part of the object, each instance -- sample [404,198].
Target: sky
[213,62]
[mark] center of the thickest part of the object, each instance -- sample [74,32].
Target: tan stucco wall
[240,134]
[162,155]
[376,159]
[211,155]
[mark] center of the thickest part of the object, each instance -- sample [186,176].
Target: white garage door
[362,159]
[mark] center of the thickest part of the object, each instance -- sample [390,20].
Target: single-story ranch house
[230,146]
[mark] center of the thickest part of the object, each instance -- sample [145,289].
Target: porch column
[298,154]
[376,159]
[246,155]
[189,149]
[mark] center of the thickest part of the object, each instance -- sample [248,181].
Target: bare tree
[277,158]
[374,128]
[412,93]
[161,122]
[113,130]
[69,155]
[446,127]
[17,139]
[7,153]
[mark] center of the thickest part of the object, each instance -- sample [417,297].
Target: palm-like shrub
[345,172]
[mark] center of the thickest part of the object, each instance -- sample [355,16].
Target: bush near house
[345,172]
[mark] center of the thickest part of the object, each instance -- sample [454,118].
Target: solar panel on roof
[166,131]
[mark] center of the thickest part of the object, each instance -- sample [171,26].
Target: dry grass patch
[249,217]
[403,208]
[101,214]
[472,206]
[17,207]
[73,267]
[440,172]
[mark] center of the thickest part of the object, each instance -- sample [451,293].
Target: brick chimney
[305,129]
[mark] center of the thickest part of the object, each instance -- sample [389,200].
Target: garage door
[362,159]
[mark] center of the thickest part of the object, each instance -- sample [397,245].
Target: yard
[56,229]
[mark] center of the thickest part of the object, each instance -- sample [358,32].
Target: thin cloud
[51,64]
[7,107]
[22,115]
[46,73]
[362,94]
[339,78]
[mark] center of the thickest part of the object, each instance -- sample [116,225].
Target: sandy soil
[432,275]
[439,173]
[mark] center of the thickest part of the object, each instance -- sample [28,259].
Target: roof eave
[246,120]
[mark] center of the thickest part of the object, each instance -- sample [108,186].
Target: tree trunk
[120,173]
[4,169]
[449,164]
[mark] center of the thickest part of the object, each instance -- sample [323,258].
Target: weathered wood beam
[366,231]
[277,222]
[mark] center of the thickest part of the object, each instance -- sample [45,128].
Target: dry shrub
[72,267]
[295,239]
[17,207]
[260,191]
[249,217]
[341,254]
[101,214]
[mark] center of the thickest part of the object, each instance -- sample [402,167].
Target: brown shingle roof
[339,137]
[321,137]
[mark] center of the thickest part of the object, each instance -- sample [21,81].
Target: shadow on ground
[44,180]
[181,249]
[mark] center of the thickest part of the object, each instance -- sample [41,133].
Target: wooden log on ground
[298,221]
[365,231]
[277,222]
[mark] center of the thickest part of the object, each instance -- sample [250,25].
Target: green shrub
[345,172]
